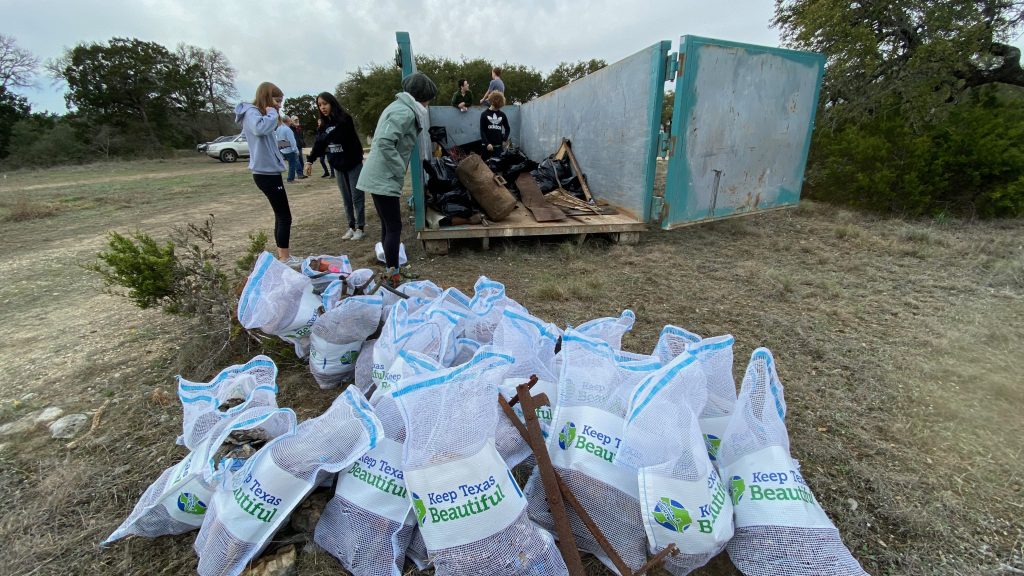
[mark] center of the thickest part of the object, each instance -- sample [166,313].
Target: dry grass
[898,343]
[23,209]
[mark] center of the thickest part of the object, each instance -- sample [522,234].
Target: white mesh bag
[338,336]
[337,268]
[672,342]
[428,332]
[471,512]
[715,358]
[780,526]
[465,349]
[280,302]
[532,343]
[682,498]
[251,504]
[357,283]
[368,523]
[593,393]
[488,303]
[176,503]
[364,367]
[235,389]
[610,329]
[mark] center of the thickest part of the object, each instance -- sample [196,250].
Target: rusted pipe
[657,559]
[531,383]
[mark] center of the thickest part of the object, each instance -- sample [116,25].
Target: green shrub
[969,162]
[137,262]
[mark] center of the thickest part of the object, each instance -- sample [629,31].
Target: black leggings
[272,187]
[389,210]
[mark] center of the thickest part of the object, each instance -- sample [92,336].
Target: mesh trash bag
[593,394]
[280,302]
[682,498]
[359,282]
[532,343]
[324,269]
[470,511]
[428,332]
[419,292]
[368,523]
[465,349]
[715,358]
[363,378]
[672,342]
[780,526]
[234,389]
[609,329]
[176,503]
[488,303]
[251,504]
[338,336]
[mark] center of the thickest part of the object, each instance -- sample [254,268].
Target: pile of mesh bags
[656,447]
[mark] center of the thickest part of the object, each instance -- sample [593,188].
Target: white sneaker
[358,235]
[293,262]
[348,235]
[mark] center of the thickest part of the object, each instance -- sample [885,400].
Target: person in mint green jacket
[400,125]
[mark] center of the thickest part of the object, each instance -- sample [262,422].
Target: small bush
[23,210]
[137,262]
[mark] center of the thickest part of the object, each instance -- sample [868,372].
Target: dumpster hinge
[671,67]
[657,205]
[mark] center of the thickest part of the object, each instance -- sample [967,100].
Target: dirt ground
[898,342]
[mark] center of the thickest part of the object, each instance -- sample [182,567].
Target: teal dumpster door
[741,129]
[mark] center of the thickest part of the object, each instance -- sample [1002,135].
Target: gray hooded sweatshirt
[264,156]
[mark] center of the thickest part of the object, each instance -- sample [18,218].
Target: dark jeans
[293,165]
[353,198]
[273,188]
[323,164]
[389,210]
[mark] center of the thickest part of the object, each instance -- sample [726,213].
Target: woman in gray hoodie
[259,121]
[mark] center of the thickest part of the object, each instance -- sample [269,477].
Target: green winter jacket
[384,170]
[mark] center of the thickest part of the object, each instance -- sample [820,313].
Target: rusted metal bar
[657,559]
[566,540]
[512,402]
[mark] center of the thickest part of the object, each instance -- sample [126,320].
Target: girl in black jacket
[337,139]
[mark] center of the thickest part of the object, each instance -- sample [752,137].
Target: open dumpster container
[737,142]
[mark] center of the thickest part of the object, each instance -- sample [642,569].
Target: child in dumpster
[400,125]
[494,127]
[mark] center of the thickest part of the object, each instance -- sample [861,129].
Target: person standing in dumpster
[496,85]
[259,120]
[463,98]
[494,127]
[400,125]
[337,139]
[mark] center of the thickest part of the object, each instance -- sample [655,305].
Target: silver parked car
[201,148]
[230,149]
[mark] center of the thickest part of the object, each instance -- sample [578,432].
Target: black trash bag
[510,164]
[551,174]
[441,175]
[456,202]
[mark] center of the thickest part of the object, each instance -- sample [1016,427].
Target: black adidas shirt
[494,127]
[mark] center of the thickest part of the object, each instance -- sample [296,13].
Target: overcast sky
[309,46]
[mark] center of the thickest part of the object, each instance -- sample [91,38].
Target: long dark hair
[338,114]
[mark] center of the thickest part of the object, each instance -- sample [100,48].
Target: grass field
[899,343]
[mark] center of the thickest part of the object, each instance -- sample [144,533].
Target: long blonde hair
[265,94]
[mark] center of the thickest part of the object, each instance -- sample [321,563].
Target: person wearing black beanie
[401,124]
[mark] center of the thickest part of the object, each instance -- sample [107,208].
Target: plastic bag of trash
[532,343]
[682,498]
[441,173]
[251,504]
[176,503]
[280,302]
[672,342]
[359,283]
[780,526]
[234,389]
[610,329]
[338,336]
[470,511]
[715,358]
[593,393]
[324,269]
[427,332]
[369,522]
[488,303]
[378,249]
[363,376]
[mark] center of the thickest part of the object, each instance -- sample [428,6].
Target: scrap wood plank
[534,200]
[566,150]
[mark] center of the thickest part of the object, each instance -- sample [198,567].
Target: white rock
[69,426]
[49,415]
[20,426]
